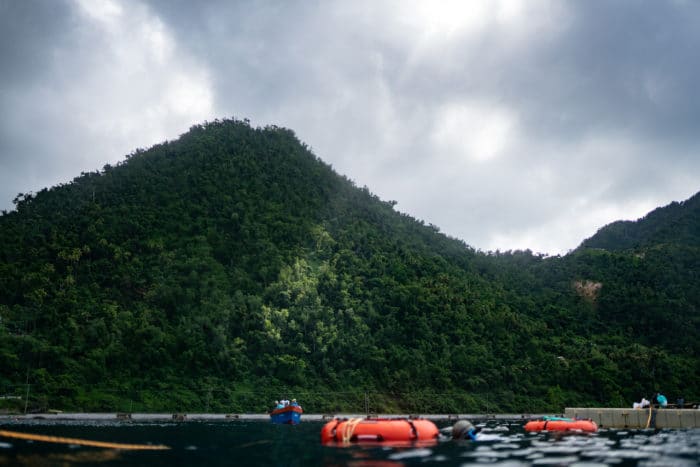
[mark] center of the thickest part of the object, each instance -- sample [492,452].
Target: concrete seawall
[605,418]
[246,416]
[638,418]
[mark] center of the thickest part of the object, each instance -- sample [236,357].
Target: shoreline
[182,416]
[604,417]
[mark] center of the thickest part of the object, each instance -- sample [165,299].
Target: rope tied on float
[81,442]
[349,429]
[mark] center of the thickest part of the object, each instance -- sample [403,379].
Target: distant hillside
[677,223]
[220,270]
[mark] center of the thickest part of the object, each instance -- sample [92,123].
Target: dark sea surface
[501,443]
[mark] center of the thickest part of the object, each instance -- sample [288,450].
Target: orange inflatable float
[561,424]
[379,430]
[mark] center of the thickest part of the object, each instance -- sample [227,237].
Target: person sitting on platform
[660,400]
[640,405]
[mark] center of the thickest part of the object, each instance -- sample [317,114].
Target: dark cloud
[626,66]
[509,124]
[30,31]
[30,34]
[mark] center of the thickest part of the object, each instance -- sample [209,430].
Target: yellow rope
[649,419]
[349,429]
[80,442]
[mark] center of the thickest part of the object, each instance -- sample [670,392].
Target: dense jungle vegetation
[232,267]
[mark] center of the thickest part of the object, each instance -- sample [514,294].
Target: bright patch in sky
[474,131]
[451,17]
[107,11]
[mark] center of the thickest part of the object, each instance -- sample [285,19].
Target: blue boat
[290,415]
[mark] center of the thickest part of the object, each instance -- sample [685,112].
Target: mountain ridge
[677,219]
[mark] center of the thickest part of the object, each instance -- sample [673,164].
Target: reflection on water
[56,458]
[240,442]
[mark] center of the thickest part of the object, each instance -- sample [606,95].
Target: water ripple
[500,444]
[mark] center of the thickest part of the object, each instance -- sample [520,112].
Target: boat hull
[290,415]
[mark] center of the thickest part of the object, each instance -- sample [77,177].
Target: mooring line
[81,442]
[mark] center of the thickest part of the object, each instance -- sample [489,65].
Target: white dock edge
[638,418]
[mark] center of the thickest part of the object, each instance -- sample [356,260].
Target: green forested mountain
[677,223]
[230,267]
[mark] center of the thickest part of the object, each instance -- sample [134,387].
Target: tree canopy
[218,270]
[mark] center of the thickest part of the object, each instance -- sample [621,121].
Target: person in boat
[463,429]
[294,403]
[279,405]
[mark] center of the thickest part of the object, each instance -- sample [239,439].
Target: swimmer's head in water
[463,429]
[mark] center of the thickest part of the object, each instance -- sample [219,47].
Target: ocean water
[258,443]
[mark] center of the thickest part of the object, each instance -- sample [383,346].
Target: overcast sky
[508,124]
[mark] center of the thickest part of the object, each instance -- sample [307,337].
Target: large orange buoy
[588,426]
[379,430]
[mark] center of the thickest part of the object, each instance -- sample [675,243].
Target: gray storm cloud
[508,124]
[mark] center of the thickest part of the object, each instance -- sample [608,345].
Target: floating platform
[638,418]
